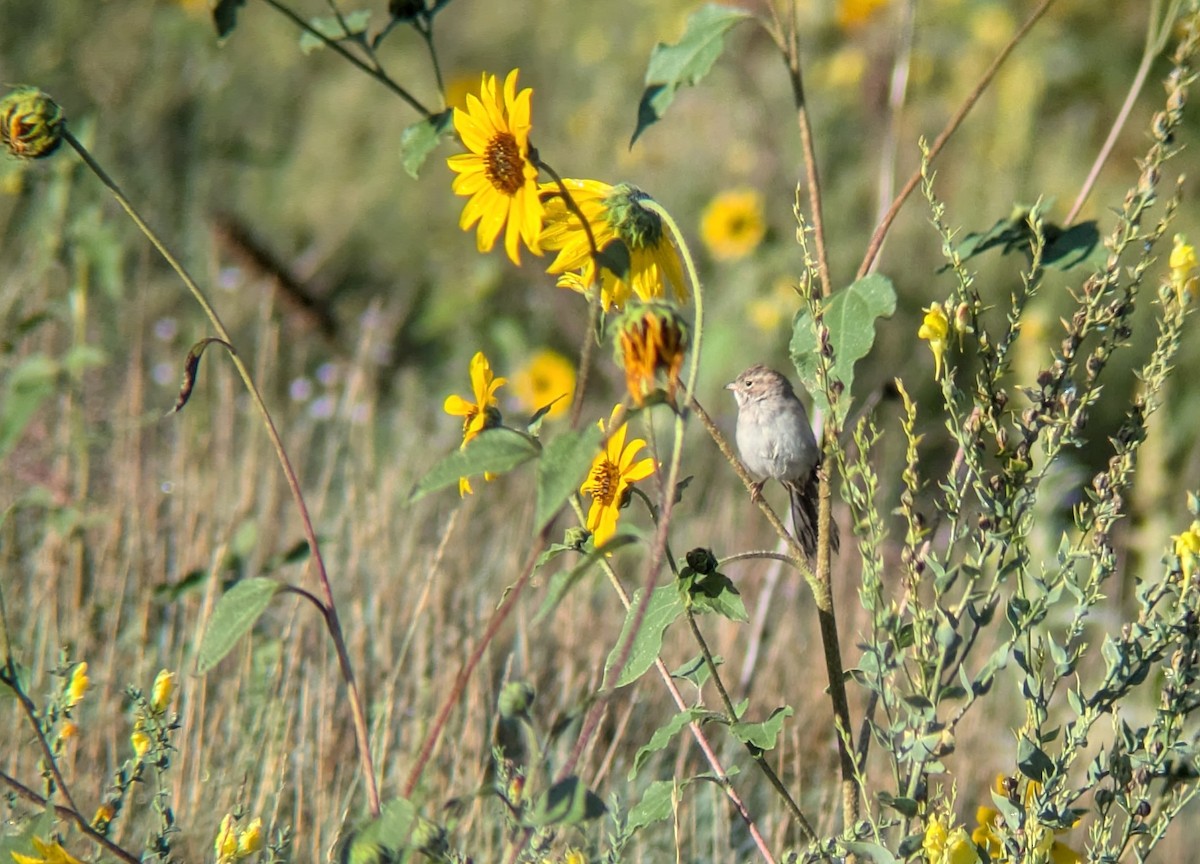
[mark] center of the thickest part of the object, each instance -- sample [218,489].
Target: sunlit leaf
[563,467]
[665,605]
[419,140]
[236,612]
[656,805]
[334,28]
[850,315]
[494,451]
[762,735]
[686,62]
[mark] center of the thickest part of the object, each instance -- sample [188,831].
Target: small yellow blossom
[47,853]
[733,225]
[852,14]
[1187,550]
[614,470]
[935,328]
[78,685]
[141,743]
[498,176]
[548,378]
[574,856]
[943,845]
[250,840]
[1183,265]
[105,813]
[161,692]
[481,414]
[227,844]
[1040,842]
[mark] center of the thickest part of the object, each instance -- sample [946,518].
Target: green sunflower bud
[515,699]
[31,123]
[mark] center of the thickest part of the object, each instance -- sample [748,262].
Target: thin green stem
[876,244]
[331,617]
[337,47]
[759,756]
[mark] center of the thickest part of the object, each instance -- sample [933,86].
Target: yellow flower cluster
[1183,266]
[234,845]
[945,845]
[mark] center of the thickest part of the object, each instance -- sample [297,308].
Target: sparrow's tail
[804,515]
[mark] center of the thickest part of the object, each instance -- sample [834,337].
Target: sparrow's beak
[731,385]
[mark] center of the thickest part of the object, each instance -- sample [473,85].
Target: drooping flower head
[636,255]
[732,224]
[651,337]
[935,329]
[548,378]
[498,175]
[481,414]
[614,470]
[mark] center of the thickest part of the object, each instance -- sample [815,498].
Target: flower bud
[31,123]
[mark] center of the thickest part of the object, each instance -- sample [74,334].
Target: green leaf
[1033,761]
[418,140]
[850,315]
[697,670]
[493,450]
[662,737]
[237,611]
[715,592]
[331,27]
[567,802]
[28,386]
[565,580]
[225,16]
[762,735]
[656,805]
[1064,247]
[685,62]
[665,605]
[563,467]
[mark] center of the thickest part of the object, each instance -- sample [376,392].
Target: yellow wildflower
[47,853]
[614,469]
[1183,265]
[161,692]
[250,840]
[481,414]
[78,685]
[636,254]
[141,743]
[852,14]
[1040,843]
[935,328]
[498,175]
[1187,550]
[548,378]
[942,845]
[227,844]
[733,225]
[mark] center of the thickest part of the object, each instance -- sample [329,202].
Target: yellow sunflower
[48,853]
[636,255]
[733,225]
[547,379]
[498,175]
[614,470]
[481,414]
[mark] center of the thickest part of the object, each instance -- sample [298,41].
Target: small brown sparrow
[776,441]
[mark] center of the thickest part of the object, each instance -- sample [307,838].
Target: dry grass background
[105,502]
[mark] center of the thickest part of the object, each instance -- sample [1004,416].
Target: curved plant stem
[759,756]
[1155,42]
[337,47]
[873,248]
[330,607]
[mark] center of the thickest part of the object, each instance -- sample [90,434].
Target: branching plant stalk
[330,607]
[758,755]
[71,815]
[337,47]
